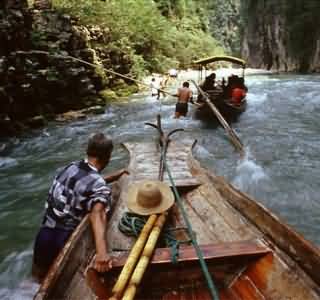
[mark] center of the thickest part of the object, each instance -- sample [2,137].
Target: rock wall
[36,77]
[270,39]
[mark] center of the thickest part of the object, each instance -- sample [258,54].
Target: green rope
[204,267]
[131,224]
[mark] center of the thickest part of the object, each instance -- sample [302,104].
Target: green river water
[280,130]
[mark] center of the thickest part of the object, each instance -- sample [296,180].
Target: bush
[152,40]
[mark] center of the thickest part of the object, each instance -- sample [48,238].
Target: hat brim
[166,202]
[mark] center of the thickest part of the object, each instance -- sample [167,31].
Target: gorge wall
[36,80]
[281,35]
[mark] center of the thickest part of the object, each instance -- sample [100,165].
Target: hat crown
[149,195]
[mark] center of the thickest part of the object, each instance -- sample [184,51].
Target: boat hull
[260,257]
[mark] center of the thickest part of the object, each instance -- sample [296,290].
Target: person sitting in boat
[209,83]
[237,95]
[184,95]
[77,190]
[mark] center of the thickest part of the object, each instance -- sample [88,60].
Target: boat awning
[212,59]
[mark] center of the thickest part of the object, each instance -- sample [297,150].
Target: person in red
[237,95]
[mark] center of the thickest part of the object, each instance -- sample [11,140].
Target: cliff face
[37,81]
[281,35]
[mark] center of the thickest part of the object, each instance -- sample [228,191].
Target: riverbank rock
[70,116]
[37,75]
[79,114]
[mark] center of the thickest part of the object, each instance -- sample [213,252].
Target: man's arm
[115,175]
[177,94]
[98,219]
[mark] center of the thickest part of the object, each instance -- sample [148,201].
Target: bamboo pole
[232,135]
[149,246]
[132,259]
[142,265]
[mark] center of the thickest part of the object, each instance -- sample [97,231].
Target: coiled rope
[131,224]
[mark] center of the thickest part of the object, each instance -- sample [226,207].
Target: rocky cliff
[37,81]
[281,35]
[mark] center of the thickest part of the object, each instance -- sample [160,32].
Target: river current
[280,130]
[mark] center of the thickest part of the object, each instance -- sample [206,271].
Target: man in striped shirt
[78,189]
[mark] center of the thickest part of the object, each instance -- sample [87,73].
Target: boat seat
[211,252]
[225,262]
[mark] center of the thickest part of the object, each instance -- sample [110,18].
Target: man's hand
[124,171]
[102,262]
[116,175]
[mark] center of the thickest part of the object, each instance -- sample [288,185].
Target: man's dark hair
[185,84]
[99,146]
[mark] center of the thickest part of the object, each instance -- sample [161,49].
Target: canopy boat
[228,95]
[249,252]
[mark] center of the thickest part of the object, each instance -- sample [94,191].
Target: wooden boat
[220,94]
[250,253]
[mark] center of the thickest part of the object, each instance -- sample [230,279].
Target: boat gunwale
[292,243]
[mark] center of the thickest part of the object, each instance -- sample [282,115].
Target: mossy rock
[98,109]
[36,122]
[127,90]
[101,77]
[108,95]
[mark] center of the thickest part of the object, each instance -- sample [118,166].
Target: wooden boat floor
[145,162]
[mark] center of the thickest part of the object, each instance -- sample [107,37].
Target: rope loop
[131,224]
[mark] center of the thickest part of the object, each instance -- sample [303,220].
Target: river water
[280,130]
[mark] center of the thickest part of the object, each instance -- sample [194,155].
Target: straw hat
[149,197]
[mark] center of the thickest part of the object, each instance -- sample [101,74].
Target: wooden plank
[214,222]
[145,162]
[245,289]
[178,183]
[236,222]
[210,252]
[270,277]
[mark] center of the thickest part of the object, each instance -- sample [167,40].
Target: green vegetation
[225,24]
[155,35]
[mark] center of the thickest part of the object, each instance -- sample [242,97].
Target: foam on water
[249,175]
[256,99]
[15,279]
[7,162]
[202,153]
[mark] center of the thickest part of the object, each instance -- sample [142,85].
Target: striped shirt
[72,195]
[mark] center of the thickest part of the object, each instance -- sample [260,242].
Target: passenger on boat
[209,82]
[184,95]
[237,95]
[78,189]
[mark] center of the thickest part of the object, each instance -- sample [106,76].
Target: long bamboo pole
[132,259]
[142,265]
[232,135]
